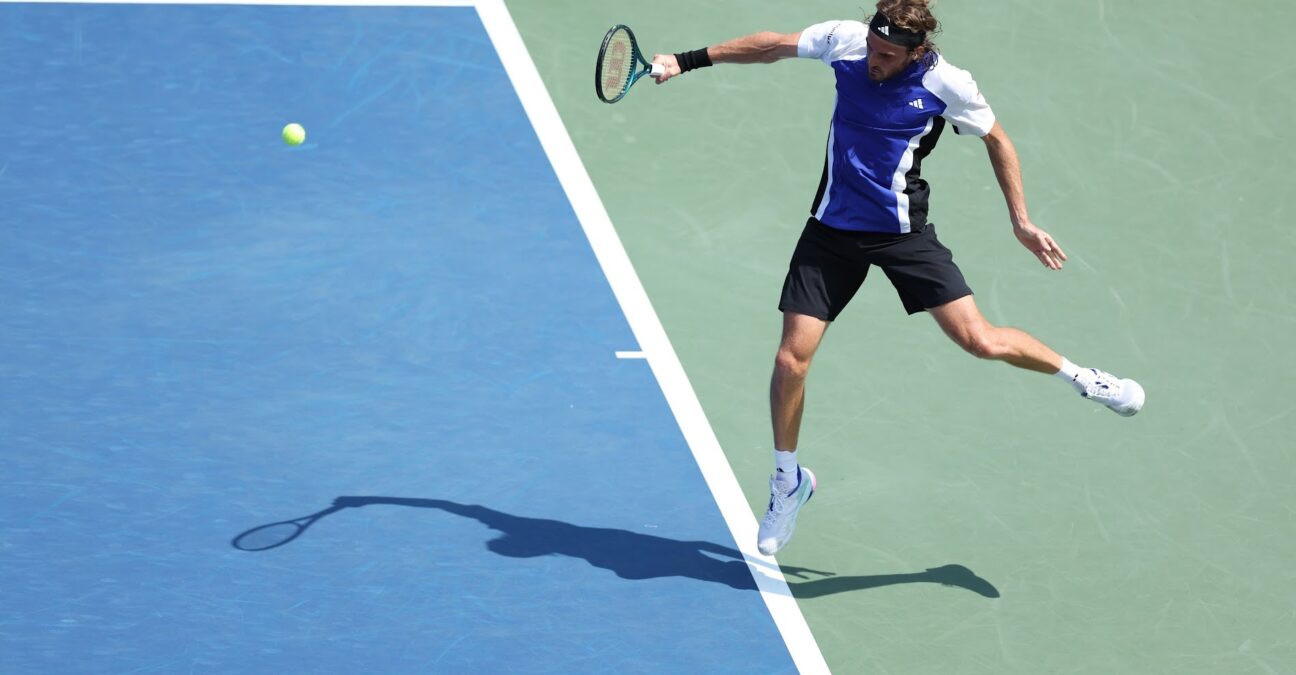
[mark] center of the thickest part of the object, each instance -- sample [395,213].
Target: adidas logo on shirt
[917,103]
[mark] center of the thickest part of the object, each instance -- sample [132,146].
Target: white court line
[629,292]
[631,355]
[648,330]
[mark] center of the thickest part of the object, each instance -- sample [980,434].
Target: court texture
[475,380]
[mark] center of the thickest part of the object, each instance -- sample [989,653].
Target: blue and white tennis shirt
[881,131]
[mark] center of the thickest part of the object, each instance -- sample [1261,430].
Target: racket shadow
[274,535]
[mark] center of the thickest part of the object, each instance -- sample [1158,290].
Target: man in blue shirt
[895,95]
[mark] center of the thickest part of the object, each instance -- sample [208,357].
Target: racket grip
[657,70]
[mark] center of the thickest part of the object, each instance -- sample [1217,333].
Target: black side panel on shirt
[915,186]
[823,185]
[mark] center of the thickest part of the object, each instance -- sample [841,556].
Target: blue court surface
[398,327]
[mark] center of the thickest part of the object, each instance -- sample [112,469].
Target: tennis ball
[294,134]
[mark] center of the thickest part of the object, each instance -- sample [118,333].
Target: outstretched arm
[765,47]
[1003,156]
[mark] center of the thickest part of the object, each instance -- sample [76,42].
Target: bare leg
[962,321]
[801,337]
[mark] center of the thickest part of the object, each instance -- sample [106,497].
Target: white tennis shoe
[1123,397]
[784,504]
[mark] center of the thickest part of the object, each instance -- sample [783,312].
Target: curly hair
[913,15]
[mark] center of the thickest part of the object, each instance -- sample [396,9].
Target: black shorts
[829,265]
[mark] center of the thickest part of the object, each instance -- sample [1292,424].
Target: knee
[788,363]
[981,344]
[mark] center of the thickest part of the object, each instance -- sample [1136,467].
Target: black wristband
[698,58]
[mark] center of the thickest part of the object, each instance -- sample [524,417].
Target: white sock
[785,466]
[1068,373]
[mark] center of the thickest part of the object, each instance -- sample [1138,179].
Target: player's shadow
[947,575]
[629,555]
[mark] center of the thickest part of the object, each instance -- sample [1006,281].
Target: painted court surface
[413,352]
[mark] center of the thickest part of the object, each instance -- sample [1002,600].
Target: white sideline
[648,330]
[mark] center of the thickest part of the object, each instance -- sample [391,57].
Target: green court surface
[1156,148]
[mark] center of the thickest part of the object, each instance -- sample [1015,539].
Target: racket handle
[657,70]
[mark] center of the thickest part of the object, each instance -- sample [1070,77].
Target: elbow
[996,135]
[771,47]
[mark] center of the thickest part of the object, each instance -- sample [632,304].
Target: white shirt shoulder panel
[965,107]
[834,41]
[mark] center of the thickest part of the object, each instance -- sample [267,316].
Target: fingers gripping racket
[618,66]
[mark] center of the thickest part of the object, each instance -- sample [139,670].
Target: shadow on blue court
[629,555]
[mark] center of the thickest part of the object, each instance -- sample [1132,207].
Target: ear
[917,53]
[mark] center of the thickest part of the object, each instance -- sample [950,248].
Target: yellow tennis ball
[294,134]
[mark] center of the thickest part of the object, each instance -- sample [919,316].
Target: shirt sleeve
[834,41]
[965,107]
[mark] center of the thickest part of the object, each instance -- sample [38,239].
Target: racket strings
[618,65]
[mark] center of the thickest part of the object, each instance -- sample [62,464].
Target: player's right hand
[669,63]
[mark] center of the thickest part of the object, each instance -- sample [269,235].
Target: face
[886,60]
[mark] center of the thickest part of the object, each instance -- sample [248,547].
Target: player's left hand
[1039,242]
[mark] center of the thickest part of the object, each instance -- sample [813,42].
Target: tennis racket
[618,66]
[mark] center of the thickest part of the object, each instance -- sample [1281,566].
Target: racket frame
[636,55]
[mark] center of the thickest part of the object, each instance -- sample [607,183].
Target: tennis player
[895,96]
